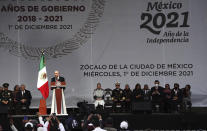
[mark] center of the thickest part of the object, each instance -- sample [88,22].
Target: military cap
[5,85]
[117,84]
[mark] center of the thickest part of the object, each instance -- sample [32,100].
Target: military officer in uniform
[5,104]
[117,97]
[6,95]
[98,95]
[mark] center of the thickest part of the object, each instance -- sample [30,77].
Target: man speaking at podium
[58,79]
[58,99]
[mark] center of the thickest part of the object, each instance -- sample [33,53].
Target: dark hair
[15,87]
[176,84]
[167,85]
[95,121]
[157,81]
[99,84]
[109,121]
[137,85]
[71,123]
[188,86]
[53,125]
[28,128]
[146,85]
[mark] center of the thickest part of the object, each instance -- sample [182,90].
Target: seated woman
[137,93]
[128,98]
[187,98]
[167,98]
[16,103]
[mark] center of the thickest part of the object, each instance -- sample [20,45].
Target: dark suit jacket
[61,79]
[26,95]
[137,92]
[178,94]
[156,96]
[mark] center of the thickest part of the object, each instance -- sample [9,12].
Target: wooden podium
[58,99]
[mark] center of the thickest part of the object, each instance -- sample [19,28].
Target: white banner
[106,41]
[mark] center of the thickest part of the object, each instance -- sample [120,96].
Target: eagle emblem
[43,76]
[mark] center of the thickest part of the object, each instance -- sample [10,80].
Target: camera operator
[88,124]
[53,124]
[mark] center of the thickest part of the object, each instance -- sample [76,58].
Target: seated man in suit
[176,97]
[24,97]
[157,96]
[147,93]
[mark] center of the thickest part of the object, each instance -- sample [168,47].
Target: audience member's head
[95,121]
[53,125]
[90,127]
[124,125]
[71,123]
[109,122]
[1,128]
[28,126]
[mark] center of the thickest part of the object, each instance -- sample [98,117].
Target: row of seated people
[161,99]
[15,100]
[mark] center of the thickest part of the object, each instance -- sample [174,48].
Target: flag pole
[42,105]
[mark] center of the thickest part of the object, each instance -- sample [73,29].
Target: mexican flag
[42,82]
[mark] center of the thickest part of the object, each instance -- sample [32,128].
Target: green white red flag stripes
[42,82]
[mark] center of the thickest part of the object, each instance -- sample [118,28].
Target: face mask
[157,85]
